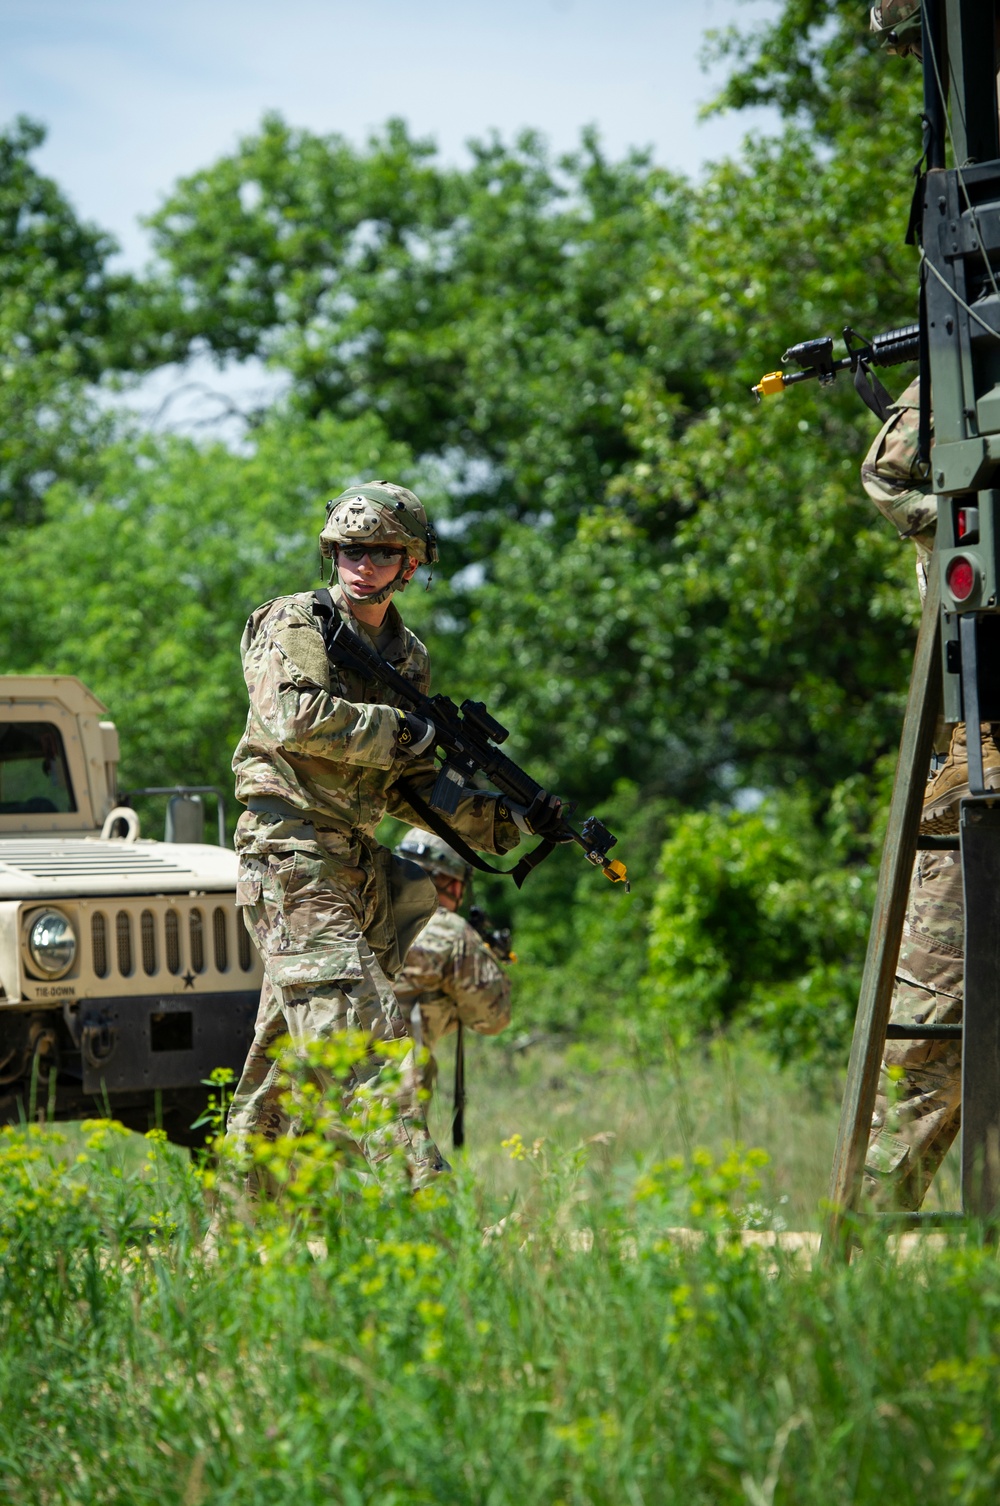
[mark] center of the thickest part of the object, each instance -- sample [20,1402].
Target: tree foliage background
[680,603]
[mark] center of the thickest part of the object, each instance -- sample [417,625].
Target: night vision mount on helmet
[434,855]
[380,513]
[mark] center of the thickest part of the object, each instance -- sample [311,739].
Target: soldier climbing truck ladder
[948,989]
[125,975]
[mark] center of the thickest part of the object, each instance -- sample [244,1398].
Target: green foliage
[358,1344]
[59,307]
[789,597]
[817,60]
[753,923]
[674,596]
[479,312]
[582,941]
[164,556]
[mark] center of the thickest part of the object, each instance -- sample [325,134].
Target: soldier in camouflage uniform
[451,976]
[896,23]
[317,768]
[918,1108]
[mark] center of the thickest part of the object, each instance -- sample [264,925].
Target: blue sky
[135,95]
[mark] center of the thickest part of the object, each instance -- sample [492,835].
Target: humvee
[126,974]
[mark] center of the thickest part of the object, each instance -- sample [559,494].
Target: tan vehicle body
[162,983]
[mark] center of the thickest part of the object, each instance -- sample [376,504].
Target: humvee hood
[79,867]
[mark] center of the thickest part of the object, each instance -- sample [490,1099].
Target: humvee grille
[172,931]
[160,930]
[156,944]
[197,930]
[219,939]
[148,929]
[99,944]
[123,936]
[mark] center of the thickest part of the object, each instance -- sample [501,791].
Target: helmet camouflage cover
[433,855]
[897,24]
[379,512]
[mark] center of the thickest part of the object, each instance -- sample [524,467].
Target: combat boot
[950,783]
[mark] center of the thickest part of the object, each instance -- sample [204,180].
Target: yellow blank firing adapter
[769,384]
[616,871]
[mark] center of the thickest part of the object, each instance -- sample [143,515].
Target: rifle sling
[436,823]
[431,818]
[871,392]
[458,1101]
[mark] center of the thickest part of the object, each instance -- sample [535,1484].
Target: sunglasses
[378,555]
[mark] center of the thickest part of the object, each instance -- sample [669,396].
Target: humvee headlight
[51,943]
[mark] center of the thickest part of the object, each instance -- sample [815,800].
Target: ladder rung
[904,1219]
[896,1032]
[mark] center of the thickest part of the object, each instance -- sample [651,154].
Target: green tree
[479,312]
[756,922]
[163,556]
[572,343]
[60,316]
[678,596]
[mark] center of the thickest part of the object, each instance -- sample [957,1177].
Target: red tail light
[960,578]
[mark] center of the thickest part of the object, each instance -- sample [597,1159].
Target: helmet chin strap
[398,583]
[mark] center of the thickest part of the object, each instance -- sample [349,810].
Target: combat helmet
[896,23]
[433,855]
[380,512]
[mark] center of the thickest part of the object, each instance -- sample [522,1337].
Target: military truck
[126,974]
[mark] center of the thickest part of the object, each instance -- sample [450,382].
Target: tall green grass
[551,1337]
[634,1108]
[630,1110]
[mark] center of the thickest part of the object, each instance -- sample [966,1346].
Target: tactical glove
[544,818]
[416,734]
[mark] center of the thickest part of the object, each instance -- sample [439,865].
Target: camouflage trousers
[308,898]
[918,1107]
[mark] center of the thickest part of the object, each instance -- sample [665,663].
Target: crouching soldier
[451,976]
[317,768]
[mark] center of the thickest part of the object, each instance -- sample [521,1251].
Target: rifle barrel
[892,348]
[896,346]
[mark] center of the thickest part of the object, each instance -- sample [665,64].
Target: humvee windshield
[33,774]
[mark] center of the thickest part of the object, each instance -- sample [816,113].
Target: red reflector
[960,578]
[963,522]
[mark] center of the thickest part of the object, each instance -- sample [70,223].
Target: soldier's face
[362,578]
[449,890]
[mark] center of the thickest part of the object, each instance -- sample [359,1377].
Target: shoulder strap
[326,612]
[871,392]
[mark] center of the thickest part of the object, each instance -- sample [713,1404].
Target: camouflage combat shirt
[326,741]
[453,975]
[895,480]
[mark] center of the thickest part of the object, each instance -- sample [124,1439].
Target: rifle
[497,938]
[470,738]
[815,357]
